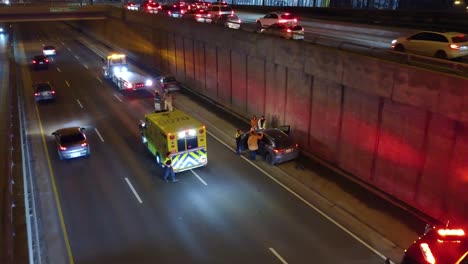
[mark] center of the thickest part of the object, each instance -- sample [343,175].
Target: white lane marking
[67,83]
[77,57]
[58,69]
[306,202]
[99,79]
[51,58]
[118,98]
[278,255]
[85,66]
[99,134]
[69,49]
[79,103]
[133,190]
[198,176]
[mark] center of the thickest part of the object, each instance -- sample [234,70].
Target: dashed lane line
[133,190]
[99,134]
[198,176]
[278,255]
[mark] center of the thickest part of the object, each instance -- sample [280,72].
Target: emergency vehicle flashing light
[117,56]
[451,232]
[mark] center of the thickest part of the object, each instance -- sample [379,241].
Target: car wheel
[399,48]
[441,55]
[269,159]
[259,27]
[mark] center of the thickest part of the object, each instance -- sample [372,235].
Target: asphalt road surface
[117,209]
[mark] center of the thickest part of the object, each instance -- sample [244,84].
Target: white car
[217,9]
[274,18]
[49,51]
[448,45]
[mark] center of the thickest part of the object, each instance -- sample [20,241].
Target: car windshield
[226,8]
[39,57]
[169,79]
[49,47]
[71,138]
[43,87]
[460,39]
[295,28]
[281,139]
[233,17]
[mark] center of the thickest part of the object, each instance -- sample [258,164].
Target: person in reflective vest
[262,123]
[168,169]
[238,138]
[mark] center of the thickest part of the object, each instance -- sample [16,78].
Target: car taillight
[182,11]
[34,61]
[169,12]
[288,30]
[232,12]
[36,94]
[219,13]
[282,21]
[198,15]
[296,146]
[295,20]
[209,15]
[277,151]
[46,60]
[454,46]
[84,144]
[427,253]
[53,92]
[62,148]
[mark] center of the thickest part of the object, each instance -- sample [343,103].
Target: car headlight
[149,82]
[124,69]
[116,69]
[394,41]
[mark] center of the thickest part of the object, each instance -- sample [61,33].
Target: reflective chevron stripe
[189,160]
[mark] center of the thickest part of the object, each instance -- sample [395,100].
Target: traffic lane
[239,197]
[83,184]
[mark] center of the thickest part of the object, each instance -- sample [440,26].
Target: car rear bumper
[286,156]
[44,97]
[233,25]
[74,153]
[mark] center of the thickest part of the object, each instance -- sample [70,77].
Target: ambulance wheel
[158,159]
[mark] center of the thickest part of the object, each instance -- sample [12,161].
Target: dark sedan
[71,143]
[40,62]
[168,83]
[276,146]
[44,91]
[199,15]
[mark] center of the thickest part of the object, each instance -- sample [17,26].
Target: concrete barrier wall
[401,129]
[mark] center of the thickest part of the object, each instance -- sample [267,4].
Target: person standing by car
[238,138]
[254,122]
[168,169]
[168,100]
[252,142]
[262,123]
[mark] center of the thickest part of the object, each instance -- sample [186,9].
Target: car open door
[285,128]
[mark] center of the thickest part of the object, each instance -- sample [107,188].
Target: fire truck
[439,246]
[176,135]
[116,70]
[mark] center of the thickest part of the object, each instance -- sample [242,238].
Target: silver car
[44,91]
[169,83]
[71,143]
[286,31]
[229,21]
[276,146]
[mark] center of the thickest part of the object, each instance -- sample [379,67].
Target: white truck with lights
[116,70]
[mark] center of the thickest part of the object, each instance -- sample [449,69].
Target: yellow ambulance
[177,133]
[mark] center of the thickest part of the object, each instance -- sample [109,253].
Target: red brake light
[53,92]
[454,46]
[282,21]
[451,232]
[34,61]
[297,145]
[169,12]
[36,94]
[232,12]
[62,148]
[288,30]
[46,60]
[84,144]
[295,20]
[198,15]
[277,151]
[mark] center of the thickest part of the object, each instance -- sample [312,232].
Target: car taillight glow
[34,61]
[295,20]
[282,21]
[46,60]
[84,144]
[454,46]
[232,12]
[128,85]
[53,92]
[198,15]
[169,12]
[62,148]
[288,30]
[36,94]
[451,232]
[427,253]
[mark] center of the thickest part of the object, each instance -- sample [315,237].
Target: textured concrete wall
[399,128]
